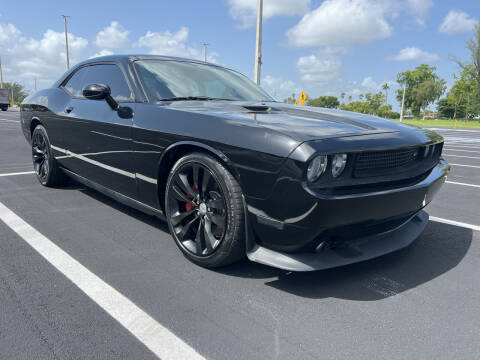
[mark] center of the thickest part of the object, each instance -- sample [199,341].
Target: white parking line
[18,173]
[462,156]
[463,146]
[454,130]
[460,150]
[158,339]
[14,121]
[456,223]
[470,166]
[464,184]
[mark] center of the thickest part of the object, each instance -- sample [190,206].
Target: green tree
[342,95]
[324,101]
[474,46]
[463,100]
[350,98]
[427,92]
[374,104]
[16,90]
[385,88]
[418,83]
[290,100]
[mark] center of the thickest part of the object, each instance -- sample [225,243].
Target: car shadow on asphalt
[438,250]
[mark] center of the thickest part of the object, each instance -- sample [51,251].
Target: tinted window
[167,79]
[107,74]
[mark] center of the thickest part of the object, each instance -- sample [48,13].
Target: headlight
[317,167]
[338,164]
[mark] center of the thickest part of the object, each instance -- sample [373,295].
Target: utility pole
[258,47]
[1,75]
[66,39]
[205,45]
[403,102]
[35,83]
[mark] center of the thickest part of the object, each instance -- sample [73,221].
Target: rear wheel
[204,210]
[46,168]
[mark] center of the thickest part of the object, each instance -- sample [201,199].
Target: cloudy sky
[322,47]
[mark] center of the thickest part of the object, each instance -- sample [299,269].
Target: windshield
[173,80]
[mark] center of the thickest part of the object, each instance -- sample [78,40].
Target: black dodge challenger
[231,170]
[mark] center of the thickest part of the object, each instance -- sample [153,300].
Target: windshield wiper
[183,98]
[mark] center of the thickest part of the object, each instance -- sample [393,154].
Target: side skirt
[116,195]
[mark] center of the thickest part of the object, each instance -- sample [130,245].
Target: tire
[4,109]
[203,199]
[45,166]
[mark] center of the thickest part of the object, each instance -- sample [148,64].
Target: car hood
[300,123]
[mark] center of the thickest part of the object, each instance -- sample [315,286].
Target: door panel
[98,142]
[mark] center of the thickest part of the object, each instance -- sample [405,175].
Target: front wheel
[204,210]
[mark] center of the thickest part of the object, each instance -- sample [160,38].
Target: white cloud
[172,44]
[340,23]
[113,36]
[24,59]
[278,87]
[319,68]
[102,53]
[245,11]
[370,84]
[419,9]
[415,54]
[457,21]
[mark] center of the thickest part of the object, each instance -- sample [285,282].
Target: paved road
[421,302]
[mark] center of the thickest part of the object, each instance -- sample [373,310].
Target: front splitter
[354,251]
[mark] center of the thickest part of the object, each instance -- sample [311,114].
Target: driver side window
[108,74]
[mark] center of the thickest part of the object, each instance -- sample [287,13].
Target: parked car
[4,99]
[232,171]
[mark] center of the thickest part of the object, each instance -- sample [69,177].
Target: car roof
[127,58]
[132,57]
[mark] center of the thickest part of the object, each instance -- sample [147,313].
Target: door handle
[69,109]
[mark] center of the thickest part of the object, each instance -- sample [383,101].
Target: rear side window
[108,74]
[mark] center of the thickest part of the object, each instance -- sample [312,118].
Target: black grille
[380,162]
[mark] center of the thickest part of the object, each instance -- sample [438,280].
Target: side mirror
[100,92]
[96,91]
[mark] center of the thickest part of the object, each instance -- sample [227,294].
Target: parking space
[422,300]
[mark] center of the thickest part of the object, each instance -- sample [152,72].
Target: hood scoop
[257,108]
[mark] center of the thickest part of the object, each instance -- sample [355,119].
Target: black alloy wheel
[40,156]
[46,169]
[204,211]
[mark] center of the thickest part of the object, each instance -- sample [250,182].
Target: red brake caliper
[190,206]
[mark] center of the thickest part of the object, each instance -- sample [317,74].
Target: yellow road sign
[296,103]
[303,96]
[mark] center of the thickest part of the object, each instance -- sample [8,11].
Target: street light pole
[258,47]
[66,39]
[1,75]
[205,45]
[403,102]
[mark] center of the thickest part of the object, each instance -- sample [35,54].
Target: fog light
[338,164]
[317,167]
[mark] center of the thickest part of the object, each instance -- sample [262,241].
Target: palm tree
[360,97]
[342,95]
[350,99]
[386,87]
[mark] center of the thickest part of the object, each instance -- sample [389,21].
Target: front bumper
[356,218]
[350,252]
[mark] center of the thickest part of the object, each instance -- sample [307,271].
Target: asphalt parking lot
[420,302]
